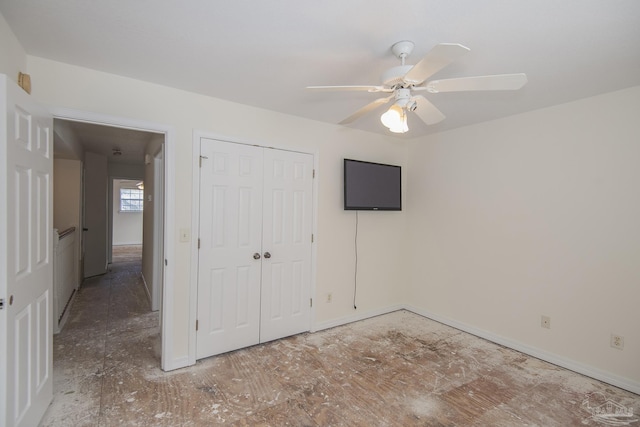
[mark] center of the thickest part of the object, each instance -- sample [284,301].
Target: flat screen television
[372,186]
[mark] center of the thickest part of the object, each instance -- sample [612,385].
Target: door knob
[267,255]
[256,256]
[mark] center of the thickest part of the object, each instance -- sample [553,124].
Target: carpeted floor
[398,369]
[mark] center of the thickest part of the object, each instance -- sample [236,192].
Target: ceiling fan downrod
[402,49]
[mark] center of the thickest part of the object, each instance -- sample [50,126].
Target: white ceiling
[264,53]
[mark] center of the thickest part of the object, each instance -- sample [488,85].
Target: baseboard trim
[589,371]
[146,288]
[59,325]
[357,316]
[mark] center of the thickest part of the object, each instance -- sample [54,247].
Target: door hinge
[312,238]
[198,243]
[310,302]
[313,174]
[196,324]
[1,303]
[166,262]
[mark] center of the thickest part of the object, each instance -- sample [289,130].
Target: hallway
[398,369]
[109,323]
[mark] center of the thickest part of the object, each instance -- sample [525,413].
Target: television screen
[372,186]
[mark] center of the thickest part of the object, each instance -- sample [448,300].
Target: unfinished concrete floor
[398,369]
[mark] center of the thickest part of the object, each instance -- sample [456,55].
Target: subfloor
[398,369]
[126,253]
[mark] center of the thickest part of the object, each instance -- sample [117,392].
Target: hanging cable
[355,278]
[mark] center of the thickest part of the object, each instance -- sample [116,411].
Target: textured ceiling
[264,53]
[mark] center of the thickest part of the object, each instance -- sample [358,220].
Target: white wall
[127,226]
[380,259]
[13,58]
[536,214]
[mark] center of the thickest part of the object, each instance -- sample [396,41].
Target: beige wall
[380,261]
[536,214]
[67,202]
[67,187]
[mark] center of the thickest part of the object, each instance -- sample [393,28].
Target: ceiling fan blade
[350,88]
[427,112]
[495,82]
[364,110]
[437,58]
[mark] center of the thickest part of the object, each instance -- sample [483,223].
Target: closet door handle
[256,256]
[267,255]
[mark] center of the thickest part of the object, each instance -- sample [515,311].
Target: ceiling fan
[403,80]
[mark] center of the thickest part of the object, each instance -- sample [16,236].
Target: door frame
[169,361]
[158,228]
[195,223]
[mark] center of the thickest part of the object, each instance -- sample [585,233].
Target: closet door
[230,247]
[254,261]
[286,244]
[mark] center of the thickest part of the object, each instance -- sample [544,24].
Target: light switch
[185,235]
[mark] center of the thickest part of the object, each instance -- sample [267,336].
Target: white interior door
[230,234]
[26,286]
[254,262]
[287,230]
[95,235]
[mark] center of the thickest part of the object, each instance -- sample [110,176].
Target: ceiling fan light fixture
[401,81]
[395,119]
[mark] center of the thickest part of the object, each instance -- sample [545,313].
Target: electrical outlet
[545,322]
[617,341]
[329,297]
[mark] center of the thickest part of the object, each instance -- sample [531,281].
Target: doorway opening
[127,208]
[131,153]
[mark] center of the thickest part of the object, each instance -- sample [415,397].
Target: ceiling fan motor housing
[395,76]
[403,99]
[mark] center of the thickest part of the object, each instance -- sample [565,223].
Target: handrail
[66,232]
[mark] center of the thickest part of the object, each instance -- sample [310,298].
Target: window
[131,200]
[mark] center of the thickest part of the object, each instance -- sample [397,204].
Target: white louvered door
[254,261]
